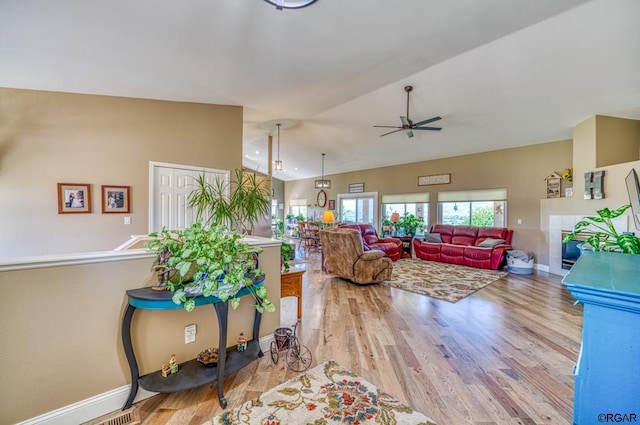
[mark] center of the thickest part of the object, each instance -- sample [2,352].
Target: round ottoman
[519,262]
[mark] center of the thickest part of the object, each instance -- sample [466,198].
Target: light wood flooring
[501,356]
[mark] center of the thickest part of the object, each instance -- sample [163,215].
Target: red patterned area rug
[324,395]
[448,282]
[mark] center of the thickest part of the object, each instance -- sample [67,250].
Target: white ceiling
[501,73]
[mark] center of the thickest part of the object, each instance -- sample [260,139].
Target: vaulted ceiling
[500,73]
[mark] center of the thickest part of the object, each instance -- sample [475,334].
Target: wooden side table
[291,286]
[407,246]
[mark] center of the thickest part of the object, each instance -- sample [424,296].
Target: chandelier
[278,161]
[322,183]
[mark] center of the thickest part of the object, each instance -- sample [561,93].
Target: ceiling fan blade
[427,121]
[409,133]
[387,126]
[394,131]
[428,128]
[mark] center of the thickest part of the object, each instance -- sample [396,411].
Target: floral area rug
[324,395]
[448,282]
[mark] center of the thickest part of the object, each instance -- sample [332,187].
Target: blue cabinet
[607,375]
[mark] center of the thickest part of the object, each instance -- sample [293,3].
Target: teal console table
[191,374]
[607,375]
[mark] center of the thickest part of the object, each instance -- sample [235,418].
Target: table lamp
[328,217]
[395,217]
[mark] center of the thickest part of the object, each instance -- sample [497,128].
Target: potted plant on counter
[208,261]
[605,237]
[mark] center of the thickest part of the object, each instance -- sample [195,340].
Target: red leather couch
[481,247]
[392,247]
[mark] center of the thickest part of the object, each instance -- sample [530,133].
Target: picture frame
[434,179]
[116,199]
[332,204]
[74,198]
[356,187]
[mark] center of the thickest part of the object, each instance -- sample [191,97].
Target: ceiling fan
[409,125]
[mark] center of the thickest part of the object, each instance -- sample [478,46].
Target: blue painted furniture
[191,374]
[607,376]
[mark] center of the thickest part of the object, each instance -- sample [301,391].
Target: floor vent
[123,418]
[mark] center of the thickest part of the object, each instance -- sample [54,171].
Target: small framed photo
[332,204]
[116,199]
[74,198]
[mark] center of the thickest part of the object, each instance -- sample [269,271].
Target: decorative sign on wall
[594,185]
[356,187]
[553,185]
[434,179]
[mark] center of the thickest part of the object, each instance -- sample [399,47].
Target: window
[406,203]
[483,208]
[298,207]
[357,208]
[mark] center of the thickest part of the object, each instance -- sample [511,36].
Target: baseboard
[542,267]
[104,403]
[89,408]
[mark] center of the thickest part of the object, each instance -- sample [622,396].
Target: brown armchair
[344,256]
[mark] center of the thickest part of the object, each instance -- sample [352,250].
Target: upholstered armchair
[345,256]
[392,247]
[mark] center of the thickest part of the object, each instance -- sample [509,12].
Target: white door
[170,187]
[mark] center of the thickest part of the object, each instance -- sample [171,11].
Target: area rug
[324,395]
[448,282]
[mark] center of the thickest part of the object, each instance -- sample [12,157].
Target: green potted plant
[201,260]
[605,236]
[287,253]
[410,223]
[386,225]
[238,204]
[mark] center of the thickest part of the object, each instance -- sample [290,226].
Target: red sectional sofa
[392,247]
[482,247]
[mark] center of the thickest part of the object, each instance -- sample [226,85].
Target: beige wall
[618,141]
[520,170]
[587,137]
[48,138]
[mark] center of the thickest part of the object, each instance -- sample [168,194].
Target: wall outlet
[519,221]
[127,220]
[190,334]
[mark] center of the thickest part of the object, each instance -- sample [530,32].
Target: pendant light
[278,162]
[322,183]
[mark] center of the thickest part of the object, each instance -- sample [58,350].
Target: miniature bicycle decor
[298,356]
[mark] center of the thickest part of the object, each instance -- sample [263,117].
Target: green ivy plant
[410,223]
[208,261]
[286,254]
[605,237]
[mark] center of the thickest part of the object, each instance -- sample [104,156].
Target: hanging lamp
[322,183]
[278,161]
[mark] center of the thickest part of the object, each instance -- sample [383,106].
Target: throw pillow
[490,243]
[433,237]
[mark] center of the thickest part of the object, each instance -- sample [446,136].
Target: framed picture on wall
[116,199]
[74,198]
[332,204]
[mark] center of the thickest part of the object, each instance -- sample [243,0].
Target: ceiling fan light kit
[407,125]
[290,4]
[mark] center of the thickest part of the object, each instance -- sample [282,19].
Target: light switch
[127,220]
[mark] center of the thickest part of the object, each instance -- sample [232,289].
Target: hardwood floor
[501,356]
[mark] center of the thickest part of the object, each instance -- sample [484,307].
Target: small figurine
[165,370]
[242,342]
[173,364]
